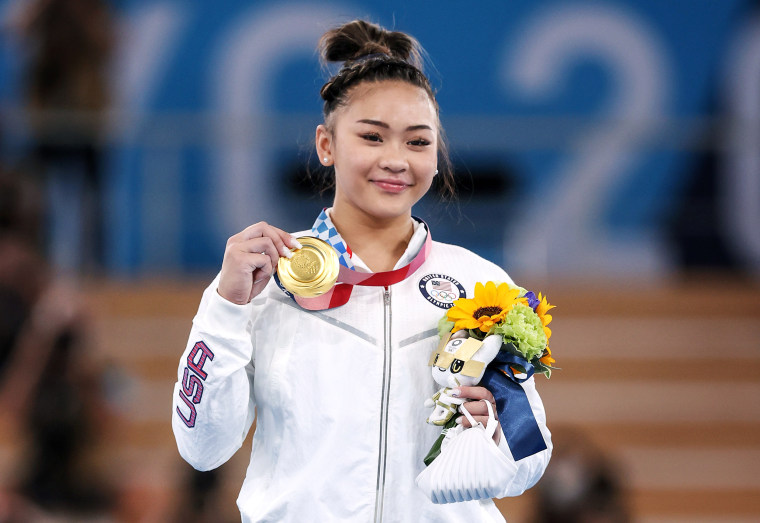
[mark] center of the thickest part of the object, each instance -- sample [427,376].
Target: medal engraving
[305,264]
[312,271]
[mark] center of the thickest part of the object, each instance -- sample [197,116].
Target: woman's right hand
[250,260]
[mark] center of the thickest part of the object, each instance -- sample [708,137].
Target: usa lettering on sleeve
[193,377]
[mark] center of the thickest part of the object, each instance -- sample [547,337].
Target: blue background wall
[580,124]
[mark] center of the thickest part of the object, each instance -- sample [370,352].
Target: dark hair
[371,53]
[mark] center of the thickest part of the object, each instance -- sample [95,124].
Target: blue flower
[533,302]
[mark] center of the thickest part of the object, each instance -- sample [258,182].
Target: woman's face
[384,148]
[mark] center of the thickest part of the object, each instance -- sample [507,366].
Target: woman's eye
[420,142]
[372,137]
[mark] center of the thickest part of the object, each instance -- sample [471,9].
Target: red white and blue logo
[441,290]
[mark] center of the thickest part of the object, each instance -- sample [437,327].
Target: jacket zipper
[386,390]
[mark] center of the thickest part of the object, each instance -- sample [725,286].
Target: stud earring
[436,172]
[325,159]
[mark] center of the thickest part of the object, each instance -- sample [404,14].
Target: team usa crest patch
[441,290]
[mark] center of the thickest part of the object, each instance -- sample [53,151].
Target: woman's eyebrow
[384,125]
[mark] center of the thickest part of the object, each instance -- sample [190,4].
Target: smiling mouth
[391,186]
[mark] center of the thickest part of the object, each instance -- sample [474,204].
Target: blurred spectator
[70,45]
[49,391]
[201,496]
[580,485]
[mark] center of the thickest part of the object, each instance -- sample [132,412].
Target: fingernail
[295,243]
[286,252]
[455,392]
[459,420]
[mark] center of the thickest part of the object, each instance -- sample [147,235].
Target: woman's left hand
[477,408]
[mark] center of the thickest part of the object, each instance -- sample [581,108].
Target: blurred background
[607,154]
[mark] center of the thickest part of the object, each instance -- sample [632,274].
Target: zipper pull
[387,295]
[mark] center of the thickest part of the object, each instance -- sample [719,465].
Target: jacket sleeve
[527,471]
[213,405]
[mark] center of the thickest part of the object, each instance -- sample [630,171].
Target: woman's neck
[379,243]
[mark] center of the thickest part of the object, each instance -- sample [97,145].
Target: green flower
[444,326]
[523,328]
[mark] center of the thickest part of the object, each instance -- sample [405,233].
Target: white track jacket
[338,396]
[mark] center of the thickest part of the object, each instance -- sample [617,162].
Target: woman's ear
[323,140]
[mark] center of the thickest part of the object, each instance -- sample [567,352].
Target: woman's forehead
[390,102]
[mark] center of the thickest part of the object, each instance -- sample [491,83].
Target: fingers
[483,420]
[477,408]
[291,240]
[462,420]
[475,393]
[479,412]
[250,259]
[282,240]
[256,253]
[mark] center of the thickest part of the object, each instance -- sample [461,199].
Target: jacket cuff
[503,446]
[222,312]
[223,319]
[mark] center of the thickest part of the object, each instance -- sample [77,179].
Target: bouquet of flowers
[519,316]
[502,334]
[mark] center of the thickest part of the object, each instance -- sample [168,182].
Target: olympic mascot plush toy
[463,464]
[461,361]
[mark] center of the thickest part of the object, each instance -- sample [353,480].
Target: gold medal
[313,269]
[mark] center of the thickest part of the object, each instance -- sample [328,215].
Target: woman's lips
[392,186]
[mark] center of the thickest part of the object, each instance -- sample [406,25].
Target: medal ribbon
[347,277]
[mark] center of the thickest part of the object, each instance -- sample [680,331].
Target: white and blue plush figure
[459,360]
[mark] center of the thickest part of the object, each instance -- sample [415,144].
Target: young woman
[338,389]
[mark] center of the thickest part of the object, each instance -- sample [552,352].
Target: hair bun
[359,38]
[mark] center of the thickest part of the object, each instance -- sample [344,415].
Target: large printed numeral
[243,72]
[565,235]
[149,37]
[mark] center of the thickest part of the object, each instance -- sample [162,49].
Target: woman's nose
[394,159]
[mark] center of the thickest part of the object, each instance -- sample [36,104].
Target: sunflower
[489,306]
[547,359]
[542,309]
